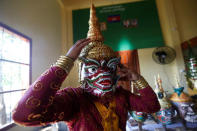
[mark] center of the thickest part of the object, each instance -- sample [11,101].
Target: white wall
[185,13]
[41,21]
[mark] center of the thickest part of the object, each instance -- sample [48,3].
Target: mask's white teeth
[104,86]
[103,79]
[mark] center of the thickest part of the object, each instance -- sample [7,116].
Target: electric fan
[163,55]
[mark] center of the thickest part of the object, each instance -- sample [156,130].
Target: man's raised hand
[75,50]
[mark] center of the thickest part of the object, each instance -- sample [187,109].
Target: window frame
[12,124]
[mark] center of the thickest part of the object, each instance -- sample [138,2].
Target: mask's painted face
[187,111]
[166,115]
[99,76]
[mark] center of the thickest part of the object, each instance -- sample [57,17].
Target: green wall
[146,34]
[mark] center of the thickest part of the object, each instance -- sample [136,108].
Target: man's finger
[84,43]
[79,42]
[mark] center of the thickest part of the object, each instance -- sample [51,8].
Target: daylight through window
[15,55]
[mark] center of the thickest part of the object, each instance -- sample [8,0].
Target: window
[15,70]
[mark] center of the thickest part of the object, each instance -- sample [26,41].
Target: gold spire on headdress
[94,32]
[159,81]
[164,102]
[96,49]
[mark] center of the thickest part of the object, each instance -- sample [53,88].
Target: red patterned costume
[96,105]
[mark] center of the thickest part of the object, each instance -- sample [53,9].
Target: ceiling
[79,4]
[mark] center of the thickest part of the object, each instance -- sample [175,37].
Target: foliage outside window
[15,66]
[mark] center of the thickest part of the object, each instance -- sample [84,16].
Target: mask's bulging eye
[184,107]
[92,69]
[160,95]
[113,68]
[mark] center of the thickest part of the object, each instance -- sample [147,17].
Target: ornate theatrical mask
[166,114]
[187,111]
[184,105]
[98,62]
[99,77]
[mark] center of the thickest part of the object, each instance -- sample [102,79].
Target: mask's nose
[104,70]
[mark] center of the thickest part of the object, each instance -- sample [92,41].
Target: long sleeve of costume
[146,101]
[43,103]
